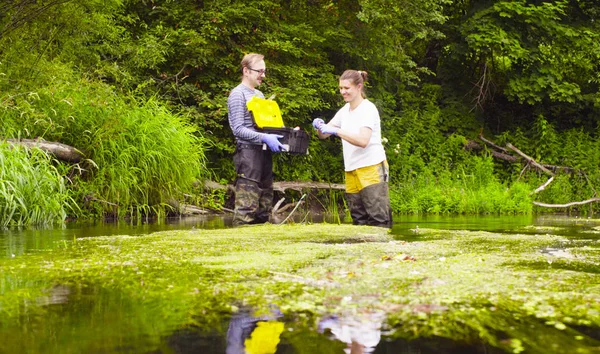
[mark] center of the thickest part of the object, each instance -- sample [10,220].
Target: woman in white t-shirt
[358,124]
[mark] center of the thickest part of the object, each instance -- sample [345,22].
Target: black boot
[357,209]
[376,201]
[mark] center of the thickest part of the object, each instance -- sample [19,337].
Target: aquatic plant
[510,291]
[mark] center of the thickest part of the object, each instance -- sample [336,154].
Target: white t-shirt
[365,115]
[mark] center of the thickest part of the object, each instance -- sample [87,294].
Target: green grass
[456,197]
[32,191]
[140,157]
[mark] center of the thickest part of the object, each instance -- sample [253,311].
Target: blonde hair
[356,77]
[250,59]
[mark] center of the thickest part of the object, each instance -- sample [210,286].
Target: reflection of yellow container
[266,112]
[264,338]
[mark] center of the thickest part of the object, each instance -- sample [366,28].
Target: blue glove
[328,129]
[272,141]
[317,122]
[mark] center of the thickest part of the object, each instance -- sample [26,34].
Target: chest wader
[357,209]
[371,206]
[376,201]
[253,185]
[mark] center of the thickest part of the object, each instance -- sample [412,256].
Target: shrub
[139,156]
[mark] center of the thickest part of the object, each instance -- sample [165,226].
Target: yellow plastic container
[266,112]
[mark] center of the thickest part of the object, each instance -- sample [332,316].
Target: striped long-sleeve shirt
[240,118]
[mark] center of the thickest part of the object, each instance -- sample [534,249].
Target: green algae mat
[514,293]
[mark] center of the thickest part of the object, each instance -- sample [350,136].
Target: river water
[16,241]
[81,321]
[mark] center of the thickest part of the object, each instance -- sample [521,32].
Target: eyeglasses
[260,72]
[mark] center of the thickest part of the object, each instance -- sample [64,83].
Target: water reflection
[360,334]
[17,241]
[248,334]
[571,226]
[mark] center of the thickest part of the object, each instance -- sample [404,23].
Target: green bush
[139,156]
[475,190]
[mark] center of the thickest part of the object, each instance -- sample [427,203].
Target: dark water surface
[93,320]
[16,241]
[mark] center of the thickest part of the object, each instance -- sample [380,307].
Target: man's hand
[272,141]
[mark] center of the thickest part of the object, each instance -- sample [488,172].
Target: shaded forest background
[140,88]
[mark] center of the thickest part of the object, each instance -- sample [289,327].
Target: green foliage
[542,55]
[414,145]
[474,190]
[213,199]
[573,148]
[440,72]
[139,156]
[147,159]
[32,191]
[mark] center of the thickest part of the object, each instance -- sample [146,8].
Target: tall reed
[140,157]
[32,191]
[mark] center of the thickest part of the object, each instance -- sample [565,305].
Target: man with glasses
[253,164]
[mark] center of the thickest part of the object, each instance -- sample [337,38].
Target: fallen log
[473,145]
[60,151]
[566,205]
[492,144]
[187,209]
[283,186]
[299,186]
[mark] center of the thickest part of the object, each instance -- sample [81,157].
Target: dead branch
[22,12]
[187,209]
[523,171]
[293,210]
[472,145]
[567,204]
[543,186]
[299,186]
[497,147]
[208,184]
[531,160]
[91,197]
[286,207]
[483,88]
[276,207]
[590,183]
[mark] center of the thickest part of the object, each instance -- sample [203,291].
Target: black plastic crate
[295,140]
